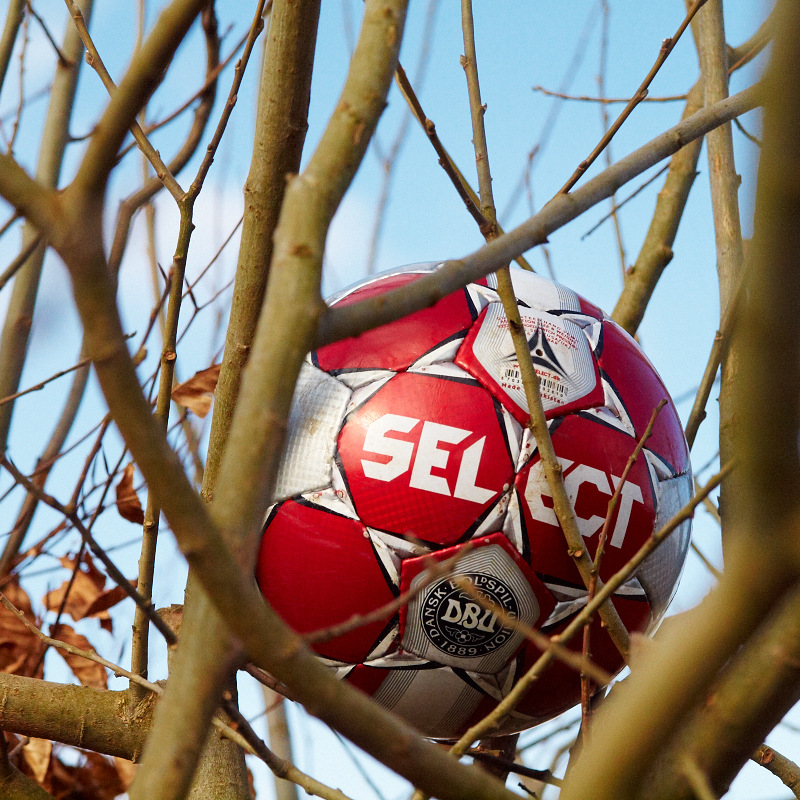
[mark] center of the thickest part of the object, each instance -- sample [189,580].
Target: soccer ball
[410,441]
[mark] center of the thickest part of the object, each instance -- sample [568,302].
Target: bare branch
[130,96]
[666,48]
[344,321]
[14,17]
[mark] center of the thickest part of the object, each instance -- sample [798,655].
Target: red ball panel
[426,457]
[558,687]
[317,569]
[592,455]
[590,308]
[399,344]
[641,391]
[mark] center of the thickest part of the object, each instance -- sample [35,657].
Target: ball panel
[593,457]
[328,572]
[660,572]
[637,382]
[436,701]
[425,457]
[318,408]
[399,344]
[590,308]
[537,292]
[562,358]
[558,687]
[445,624]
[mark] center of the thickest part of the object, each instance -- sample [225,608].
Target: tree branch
[678,670]
[343,321]
[709,33]
[140,81]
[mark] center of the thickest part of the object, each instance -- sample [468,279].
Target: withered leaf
[97,778]
[128,504]
[86,564]
[89,673]
[106,600]
[76,598]
[36,753]
[20,647]
[87,596]
[196,393]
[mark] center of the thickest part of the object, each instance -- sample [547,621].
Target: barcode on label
[553,387]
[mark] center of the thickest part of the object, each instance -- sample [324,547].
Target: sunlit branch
[341,322]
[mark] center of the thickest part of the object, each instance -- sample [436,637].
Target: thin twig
[606,100]
[96,62]
[62,58]
[708,565]
[460,183]
[780,766]
[19,261]
[543,775]
[587,689]
[601,87]
[721,341]
[698,780]
[209,82]
[666,48]
[617,206]
[98,551]
[389,160]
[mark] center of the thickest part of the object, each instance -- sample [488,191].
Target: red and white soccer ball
[408,441]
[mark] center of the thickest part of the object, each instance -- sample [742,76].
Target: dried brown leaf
[101,777]
[89,673]
[196,393]
[20,648]
[87,565]
[128,504]
[106,600]
[77,596]
[37,753]
[97,778]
